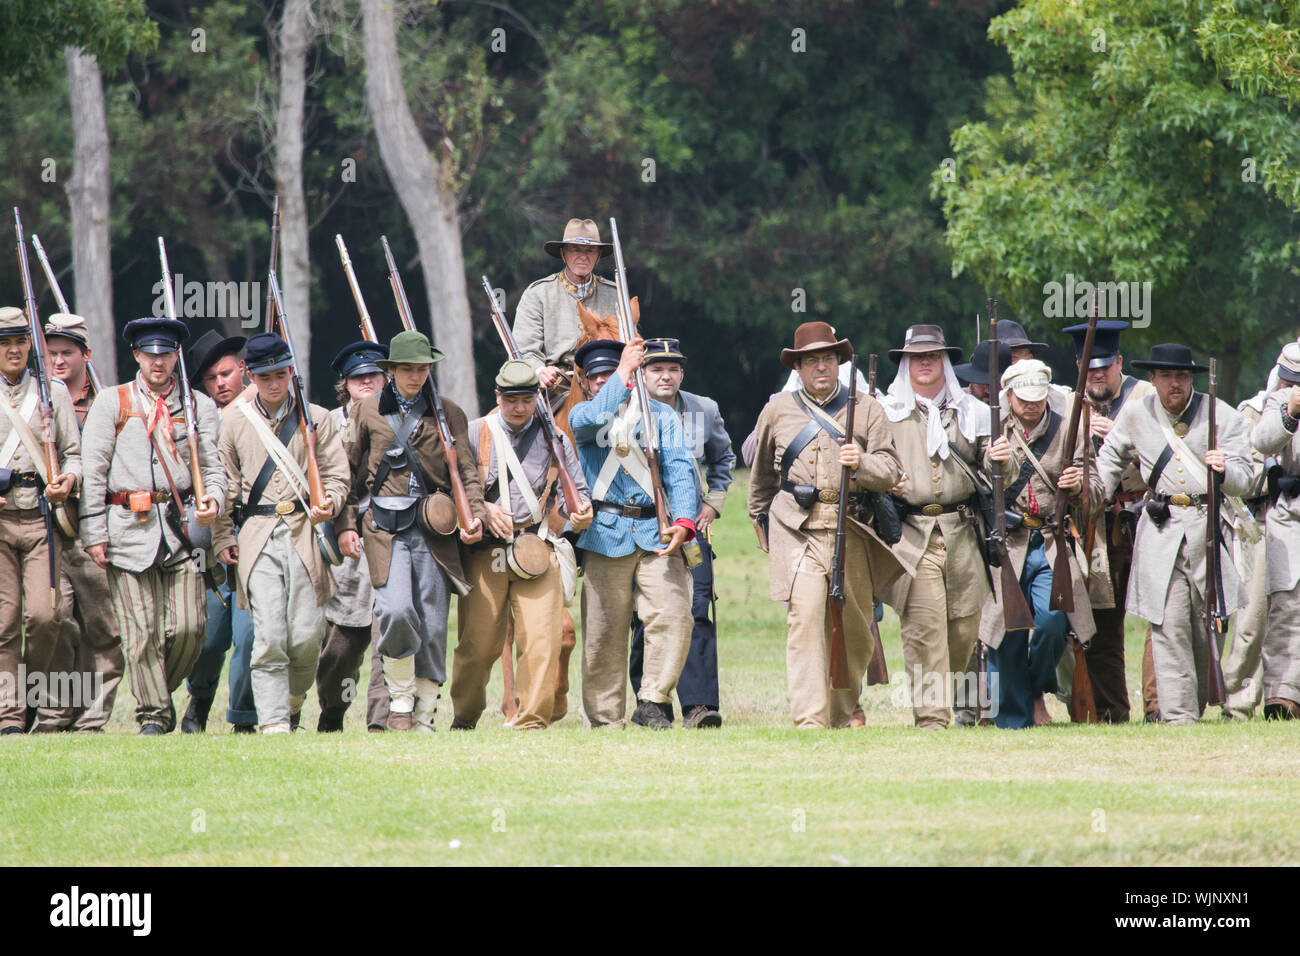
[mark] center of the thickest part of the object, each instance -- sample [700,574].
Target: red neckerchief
[159,414]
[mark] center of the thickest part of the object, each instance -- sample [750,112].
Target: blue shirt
[615,535]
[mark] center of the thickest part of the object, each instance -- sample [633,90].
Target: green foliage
[1120,154]
[33,33]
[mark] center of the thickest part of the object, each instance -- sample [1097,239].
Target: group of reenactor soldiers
[345,533]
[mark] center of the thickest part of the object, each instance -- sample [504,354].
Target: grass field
[756,791]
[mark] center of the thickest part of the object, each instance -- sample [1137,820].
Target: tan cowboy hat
[815,337]
[579,232]
[925,338]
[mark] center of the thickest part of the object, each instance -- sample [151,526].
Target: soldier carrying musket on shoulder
[801,452]
[1167,434]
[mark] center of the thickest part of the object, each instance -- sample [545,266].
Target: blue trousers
[226,626]
[698,683]
[1025,666]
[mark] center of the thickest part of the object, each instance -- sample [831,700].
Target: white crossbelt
[1240,517]
[509,467]
[635,463]
[275,448]
[22,433]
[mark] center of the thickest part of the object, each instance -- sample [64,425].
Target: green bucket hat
[410,348]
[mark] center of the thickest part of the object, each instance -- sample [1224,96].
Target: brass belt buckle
[631,511]
[932,510]
[1032,523]
[828,496]
[284,507]
[1180,499]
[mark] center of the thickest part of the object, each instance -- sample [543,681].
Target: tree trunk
[432,212]
[87,191]
[294,269]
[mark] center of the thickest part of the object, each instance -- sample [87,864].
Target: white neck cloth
[901,401]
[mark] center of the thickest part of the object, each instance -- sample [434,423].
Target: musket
[96,384]
[315,487]
[1015,610]
[459,497]
[1216,620]
[367,326]
[573,499]
[1062,579]
[46,404]
[877,669]
[187,394]
[649,433]
[839,662]
[271,304]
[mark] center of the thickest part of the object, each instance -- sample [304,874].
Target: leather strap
[1039,449]
[402,429]
[268,468]
[815,424]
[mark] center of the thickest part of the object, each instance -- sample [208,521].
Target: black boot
[331,720]
[195,720]
[294,720]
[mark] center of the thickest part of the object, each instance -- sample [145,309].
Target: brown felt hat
[815,337]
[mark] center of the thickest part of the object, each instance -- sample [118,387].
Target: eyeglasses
[817,361]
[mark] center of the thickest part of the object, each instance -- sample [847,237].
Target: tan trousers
[660,585]
[288,628]
[807,651]
[936,647]
[24,610]
[1180,649]
[161,615]
[482,621]
[1243,674]
[88,646]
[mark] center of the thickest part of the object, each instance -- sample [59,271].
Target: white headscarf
[1256,401]
[794,382]
[901,401]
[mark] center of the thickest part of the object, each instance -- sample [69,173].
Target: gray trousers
[1180,648]
[1282,646]
[288,627]
[1242,668]
[412,606]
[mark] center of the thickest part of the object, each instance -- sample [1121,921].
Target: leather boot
[331,720]
[195,720]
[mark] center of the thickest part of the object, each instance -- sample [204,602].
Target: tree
[88,202]
[1120,154]
[429,201]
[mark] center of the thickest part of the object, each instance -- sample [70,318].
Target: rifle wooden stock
[1062,579]
[649,429]
[1083,708]
[315,486]
[96,384]
[459,497]
[877,669]
[187,395]
[1214,624]
[1015,610]
[367,326]
[839,655]
[573,499]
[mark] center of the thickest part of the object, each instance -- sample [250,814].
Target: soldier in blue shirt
[625,564]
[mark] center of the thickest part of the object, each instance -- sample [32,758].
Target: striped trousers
[161,615]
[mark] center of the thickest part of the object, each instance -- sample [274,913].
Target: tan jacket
[546,320]
[372,435]
[128,462]
[67,436]
[243,455]
[818,464]
[992,625]
[1137,436]
[933,480]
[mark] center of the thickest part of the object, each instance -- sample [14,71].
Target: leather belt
[626,511]
[932,510]
[281,508]
[123,498]
[26,479]
[827,496]
[1182,500]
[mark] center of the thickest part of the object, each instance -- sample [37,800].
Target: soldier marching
[428,505]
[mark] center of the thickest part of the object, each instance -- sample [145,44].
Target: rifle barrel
[367,326]
[187,394]
[1015,610]
[96,384]
[315,486]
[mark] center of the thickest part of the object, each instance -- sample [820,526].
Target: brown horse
[593,327]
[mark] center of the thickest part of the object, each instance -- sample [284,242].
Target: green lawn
[755,792]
